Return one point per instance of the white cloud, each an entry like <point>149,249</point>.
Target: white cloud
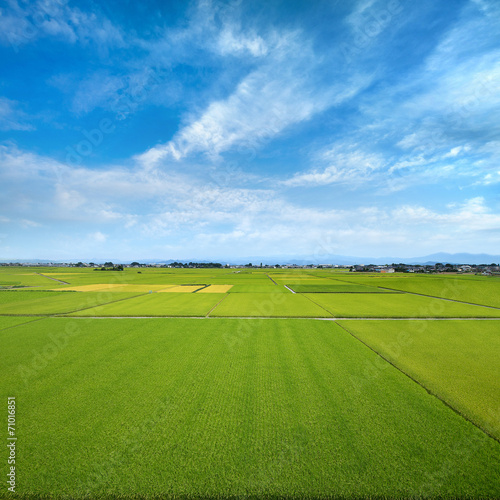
<point>99,90</point>
<point>285,89</point>
<point>456,151</point>
<point>24,23</point>
<point>201,221</point>
<point>98,237</point>
<point>236,43</point>
<point>345,164</point>
<point>29,223</point>
<point>12,117</point>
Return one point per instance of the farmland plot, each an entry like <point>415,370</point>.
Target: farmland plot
<point>33,303</point>
<point>268,305</point>
<point>457,360</point>
<point>397,305</point>
<point>109,287</point>
<point>462,288</point>
<point>10,321</point>
<point>184,411</point>
<point>336,288</point>
<point>270,288</point>
<point>159,304</point>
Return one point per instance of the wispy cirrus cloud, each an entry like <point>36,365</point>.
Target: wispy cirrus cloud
<point>344,164</point>
<point>248,103</point>
<point>22,23</point>
<point>284,90</point>
<point>12,116</point>
<point>433,123</point>
<point>154,206</point>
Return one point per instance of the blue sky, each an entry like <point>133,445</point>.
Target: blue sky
<point>216,130</point>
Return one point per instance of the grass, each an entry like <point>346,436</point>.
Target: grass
<point>23,279</point>
<point>173,407</point>
<point>401,305</point>
<point>220,407</point>
<point>337,288</point>
<point>13,296</point>
<point>268,288</point>
<point>158,304</point>
<point>115,288</point>
<point>457,360</point>
<point>216,289</point>
<point>183,289</point>
<point>34,303</point>
<point>10,321</point>
<point>268,305</point>
<point>471,289</point>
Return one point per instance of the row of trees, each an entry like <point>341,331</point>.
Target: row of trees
<point>197,265</point>
<point>109,266</point>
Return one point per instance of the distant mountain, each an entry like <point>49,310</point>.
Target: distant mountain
<point>456,258</point>
<point>301,260</point>
<point>344,260</point>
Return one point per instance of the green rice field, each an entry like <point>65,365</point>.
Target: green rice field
<point>456,360</point>
<point>337,288</point>
<point>336,385</point>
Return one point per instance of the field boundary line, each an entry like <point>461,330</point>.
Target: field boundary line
<point>54,279</point>
<point>412,378</point>
<point>216,305</point>
<point>25,323</point>
<point>271,279</point>
<point>441,298</point>
<point>319,305</point>
<point>290,289</point>
<point>426,295</point>
<point>98,305</point>
<point>314,318</point>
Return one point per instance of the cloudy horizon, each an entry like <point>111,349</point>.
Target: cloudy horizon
<point>210,129</point>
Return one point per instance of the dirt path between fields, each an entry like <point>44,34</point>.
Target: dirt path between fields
<point>271,279</point>
<point>53,279</point>
<point>66,315</point>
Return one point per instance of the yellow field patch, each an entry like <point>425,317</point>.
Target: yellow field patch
<point>216,289</point>
<point>182,289</point>
<point>115,287</point>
